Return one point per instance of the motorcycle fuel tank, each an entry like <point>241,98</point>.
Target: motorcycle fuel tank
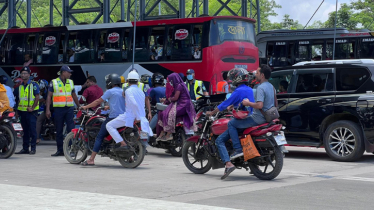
<point>219,126</point>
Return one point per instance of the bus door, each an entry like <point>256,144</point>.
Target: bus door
<point>303,51</point>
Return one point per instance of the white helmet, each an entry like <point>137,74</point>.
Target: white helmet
<point>133,75</point>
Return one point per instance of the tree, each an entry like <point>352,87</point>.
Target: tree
<point>365,13</point>
<point>344,18</point>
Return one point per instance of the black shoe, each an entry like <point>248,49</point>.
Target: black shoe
<point>58,153</point>
<point>32,152</point>
<point>22,152</point>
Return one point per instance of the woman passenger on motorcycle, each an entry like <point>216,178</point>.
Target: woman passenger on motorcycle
<point>180,105</point>
<point>116,107</point>
<point>240,78</point>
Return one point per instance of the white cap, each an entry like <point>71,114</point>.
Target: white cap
<point>133,75</point>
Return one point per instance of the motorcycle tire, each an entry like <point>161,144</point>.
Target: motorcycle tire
<point>180,139</point>
<point>278,158</point>
<point>12,140</point>
<point>133,160</point>
<point>185,156</point>
<point>72,153</point>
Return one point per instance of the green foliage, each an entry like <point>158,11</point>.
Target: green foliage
<point>345,18</point>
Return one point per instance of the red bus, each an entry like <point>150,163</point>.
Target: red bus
<point>209,45</point>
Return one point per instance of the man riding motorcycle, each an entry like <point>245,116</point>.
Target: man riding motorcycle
<point>116,107</point>
<point>240,78</point>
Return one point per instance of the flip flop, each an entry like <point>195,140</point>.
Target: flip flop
<point>227,172</point>
<point>169,138</point>
<point>85,163</point>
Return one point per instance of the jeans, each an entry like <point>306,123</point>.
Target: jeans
<point>63,115</point>
<point>28,122</point>
<point>232,132</point>
<point>101,135</point>
<point>153,122</point>
<point>39,124</point>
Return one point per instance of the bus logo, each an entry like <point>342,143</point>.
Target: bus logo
<point>241,49</point>
<point>113,37</point>
<point>50,40</point>
<point>181,34</point>
<point>368,40</point>
<point>236,30</point>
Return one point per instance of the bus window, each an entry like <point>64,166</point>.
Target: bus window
<point>366,48</point>
<point>60,56</point>
<point>47,48</point>
<point>303,51</point>
<point>291,53</point>
<point>125,44</point>
<point>280,56</point>
<point>197,38</point>
<point>3,50</point>
<point>142,52</point>
<point>317,50</point>
<point>110,45</point>
<point>343,49</point>
<point>181,39</point>
<point>15,51</point>
<point>156,43</point>
<point>29,49</point>
<point>231,30</point>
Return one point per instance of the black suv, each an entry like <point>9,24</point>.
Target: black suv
<point>328,104</point>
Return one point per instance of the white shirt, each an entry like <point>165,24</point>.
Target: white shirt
<point>135,108</point>
<point>10,95</point>
<point>197,55</point>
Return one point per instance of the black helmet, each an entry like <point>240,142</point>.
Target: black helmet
<point>112,79</point>
<point>158,78</point>
<point>238,75</point>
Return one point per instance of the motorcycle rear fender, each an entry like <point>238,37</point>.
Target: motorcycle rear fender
<point>75,131</point>
<point>193,139</point>
<point>265,141</point>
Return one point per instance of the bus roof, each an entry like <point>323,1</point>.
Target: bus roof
<point>124,24</point>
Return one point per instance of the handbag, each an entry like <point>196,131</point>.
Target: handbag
<point>272,113</point>
<point>240,115</point>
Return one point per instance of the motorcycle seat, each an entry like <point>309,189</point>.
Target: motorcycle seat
<point>260,127</point>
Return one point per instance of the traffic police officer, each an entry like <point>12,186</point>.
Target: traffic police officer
<point>61,92</point>
<point>193,84</point>
<point>27,96</point>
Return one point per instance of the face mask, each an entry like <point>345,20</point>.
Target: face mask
<point>190,77</point>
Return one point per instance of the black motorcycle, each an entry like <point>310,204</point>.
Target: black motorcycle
<point>8,136</point>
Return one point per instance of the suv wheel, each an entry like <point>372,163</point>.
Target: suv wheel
<point>343,141</point>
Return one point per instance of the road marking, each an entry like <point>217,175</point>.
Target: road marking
<point>21,197</point>
<point>364,179</point>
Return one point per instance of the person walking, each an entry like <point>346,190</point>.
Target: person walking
<point>27,95</point>
<point>61,92</point>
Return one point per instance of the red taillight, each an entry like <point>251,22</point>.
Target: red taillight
<point>79,114</point>
<point>11,114</point>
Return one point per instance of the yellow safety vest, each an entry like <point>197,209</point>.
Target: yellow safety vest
<point>198,83</point>
<point>26,97</point>
<point>140,85</point>
<point>62,93</point>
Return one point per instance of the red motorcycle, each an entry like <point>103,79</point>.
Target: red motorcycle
<point>200,152</point>
<point>80,141</point>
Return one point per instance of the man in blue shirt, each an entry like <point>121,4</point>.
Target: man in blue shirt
<point>154,97</point>
<point>240,78</point>
<point>116,105</point>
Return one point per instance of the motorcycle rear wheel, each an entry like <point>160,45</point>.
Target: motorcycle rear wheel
<point>277,164</point>
<point>72,147</point>
<point>135,159</point>
<point>10,136</point>
<point>180,139</point>
<point>188,152</point>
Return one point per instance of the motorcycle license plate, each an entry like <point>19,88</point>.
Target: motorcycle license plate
<point>143,135</point>
<point>17,126</point>
<point>280,139</point>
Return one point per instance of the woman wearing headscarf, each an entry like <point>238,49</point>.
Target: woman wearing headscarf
<point>179,106</point>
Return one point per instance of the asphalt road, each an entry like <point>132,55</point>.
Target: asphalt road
<point>309,180</point>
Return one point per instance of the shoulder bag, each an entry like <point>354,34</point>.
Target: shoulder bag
<point>272,113</point>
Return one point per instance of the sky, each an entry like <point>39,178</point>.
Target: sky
<point>302,10</point>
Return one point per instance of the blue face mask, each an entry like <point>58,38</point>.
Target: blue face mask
<point>190,77</point>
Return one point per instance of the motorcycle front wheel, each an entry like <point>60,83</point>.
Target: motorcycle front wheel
<point>132,159</point>
<point>269,166</point>
<point>8,137</point>
<point>196,159</point>
<point>75,150</point>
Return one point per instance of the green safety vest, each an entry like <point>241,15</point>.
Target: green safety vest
<point>140,85</point>
<point>26,97</point>
<point>62,93</point>
<point>198,83</point>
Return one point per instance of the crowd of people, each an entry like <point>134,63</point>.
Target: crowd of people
<point>126,101</point>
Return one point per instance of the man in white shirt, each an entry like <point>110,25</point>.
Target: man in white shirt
<point>135,110</point>
<point>9,92</point>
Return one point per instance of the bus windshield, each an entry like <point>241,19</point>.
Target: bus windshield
<point>231,30</point>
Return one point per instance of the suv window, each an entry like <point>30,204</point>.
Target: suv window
<point>281,81</point>
<point>350,78</point>
<point>317,82</point>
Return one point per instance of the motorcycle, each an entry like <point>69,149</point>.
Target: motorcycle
<point>82,140</point>
<point>179,137</point>
<point>8,136</point>
<point>200,153</point>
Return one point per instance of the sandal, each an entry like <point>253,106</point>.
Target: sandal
<point>168,138</point>
<point>38,141</point>
<point>227,172</point>
<point>85,163</point>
